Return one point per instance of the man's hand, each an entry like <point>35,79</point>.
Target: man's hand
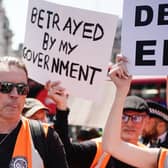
<point>58,94</point>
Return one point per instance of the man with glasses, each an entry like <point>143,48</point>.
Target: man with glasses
<point>134,117</point>
<point>17,149</point>
<point>135,114</point>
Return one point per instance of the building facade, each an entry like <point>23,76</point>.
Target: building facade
<point>6,35</point>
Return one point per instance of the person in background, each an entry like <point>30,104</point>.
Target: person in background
<point>134,155</point>
<point>17,149</point>
<point>39,92</point>
<point>34,109</point>
<point>155,132</point>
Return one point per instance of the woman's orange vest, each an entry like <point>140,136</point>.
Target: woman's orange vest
<point>25,154</point>
<point>162,158</point>
<point>101,158</point>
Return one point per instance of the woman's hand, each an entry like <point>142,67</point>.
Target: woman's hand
<point>119,74</point>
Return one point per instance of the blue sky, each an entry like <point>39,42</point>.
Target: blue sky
<point>17,10</point>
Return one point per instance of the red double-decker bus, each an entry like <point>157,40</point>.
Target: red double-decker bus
<point>150,87</point>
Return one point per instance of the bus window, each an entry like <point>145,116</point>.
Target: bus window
<point>152,87</point>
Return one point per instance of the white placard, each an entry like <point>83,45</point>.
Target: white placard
<point>145,36</point>
<point>69,44</point>
<point>92,114</point>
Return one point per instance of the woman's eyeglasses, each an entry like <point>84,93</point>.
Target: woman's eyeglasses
<point>7,87</point>
<point>134,118</point>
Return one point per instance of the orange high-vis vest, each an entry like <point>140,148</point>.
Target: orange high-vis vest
<point>101,158</point>
<point>25,155</point>
<point>163,158</point>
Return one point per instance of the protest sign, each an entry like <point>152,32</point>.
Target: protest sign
<point>145,36</point>
<point>69,44</point>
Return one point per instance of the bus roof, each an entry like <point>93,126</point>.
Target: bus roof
<point>148,77</point>
<point>142,79</point>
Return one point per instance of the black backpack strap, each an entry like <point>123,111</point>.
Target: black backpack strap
<point>39,140</point>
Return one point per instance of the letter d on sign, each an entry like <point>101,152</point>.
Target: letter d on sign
<point>139,21</point>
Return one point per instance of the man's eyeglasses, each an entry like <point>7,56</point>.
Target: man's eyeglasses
<point>134,118</point>
<point>7,87</point>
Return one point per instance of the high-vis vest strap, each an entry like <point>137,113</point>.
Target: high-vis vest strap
<point>39,133</point>
<point>24,149</point>
<point>101,158</point>
<point>163,159</point>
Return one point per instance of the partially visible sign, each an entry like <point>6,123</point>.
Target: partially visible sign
<point>145,36</point>
<point>69,44</point>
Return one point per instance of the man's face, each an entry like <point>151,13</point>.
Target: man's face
<point>11,104</point>
<point>150,129</point>
<point>40,115</point>
<point>132,125</point>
